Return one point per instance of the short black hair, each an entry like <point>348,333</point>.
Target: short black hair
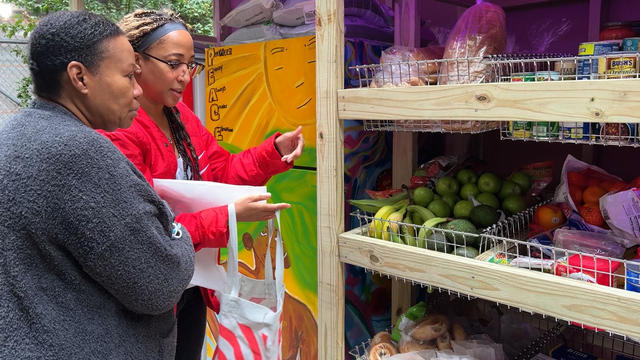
<point>63,37</point>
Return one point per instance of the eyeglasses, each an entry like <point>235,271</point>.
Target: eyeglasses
<point>194,67</point>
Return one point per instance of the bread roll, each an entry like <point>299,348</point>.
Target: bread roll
<point>381,337</point>
<point>444,342</point>
<point>458,332</point>
<point>430,328</point>
<point>381,351</point>
<point>480,31</point>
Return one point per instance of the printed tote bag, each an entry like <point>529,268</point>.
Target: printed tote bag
<point>250,309</point>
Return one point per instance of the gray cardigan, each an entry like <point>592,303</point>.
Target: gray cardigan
<point>88,266</point>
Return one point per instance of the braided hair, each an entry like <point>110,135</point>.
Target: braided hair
<point>61,38</point>
<point>136,25</point>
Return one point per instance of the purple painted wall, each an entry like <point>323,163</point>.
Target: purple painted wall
<point>550,27</point>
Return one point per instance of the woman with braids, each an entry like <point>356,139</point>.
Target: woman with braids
<point>168,141</point>
<point>92,263</point>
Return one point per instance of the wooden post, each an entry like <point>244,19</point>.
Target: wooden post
<point>406,33</point>
<point>330,175</point>
<point>76,5</point>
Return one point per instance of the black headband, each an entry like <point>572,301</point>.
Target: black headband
<point>156,34</point>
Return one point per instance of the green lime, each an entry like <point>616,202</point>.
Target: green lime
<point>513,204</point>
<point>422,196</point>
<point>447,185</point>
<point>490,183</point>
<point>466,176</point>
<point>488,199</point>
<point>462,209</point>
<point>469,189</point>
<point>509,188</point>
<point>440,208</point>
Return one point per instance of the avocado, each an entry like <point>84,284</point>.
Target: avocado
<point>466,251</point>
<point>483,216</point>
<point>462,226</point>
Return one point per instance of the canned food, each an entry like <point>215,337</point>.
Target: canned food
<point>621,64</point>
<point>523,77</point>
<point>567,69</point>
<point>615,133</point>
<point>630,44</point>
<point>588,68</point>
<point>520,129</point>
<point>576,130</point>
<point>547,76</point>
<point>545,130</point>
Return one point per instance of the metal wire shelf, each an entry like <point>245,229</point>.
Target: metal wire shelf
<point>552,332</point>
<point>505,243</point>
<point>499,69</point>
<point>613,134</point>
<point>602,346</point>
<point>432,126</point>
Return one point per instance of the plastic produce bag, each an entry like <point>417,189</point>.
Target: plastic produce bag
<point>253,33</point>
<point>621,211</point>
<point>404,66</point>
<point>416,355</point>
<point>480,347</point>
<point>297,31</point>
<point>480,31</point>
<point>250,12</point>
<point>296,13</point>
<point>589,242</point>
<point>408,319</point>
<point>573,165</point>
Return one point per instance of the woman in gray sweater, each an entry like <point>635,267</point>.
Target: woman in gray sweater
<point>91,262</point>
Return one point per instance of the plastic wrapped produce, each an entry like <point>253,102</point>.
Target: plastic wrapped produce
<point>403,66</point>
<point>296,13</point>
<point>480,31</point>
<point>250,12</point>
<point>253,33</point>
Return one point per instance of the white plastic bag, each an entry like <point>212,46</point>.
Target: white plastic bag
<point>250,309</point>
<point>250,12</point>
<point>296,13</point>
<point>253,33</point>
<point>572,164</point>
<point>186,196</point>
<point>621,211</point>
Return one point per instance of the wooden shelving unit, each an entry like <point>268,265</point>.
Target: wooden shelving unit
<point>563,298</point>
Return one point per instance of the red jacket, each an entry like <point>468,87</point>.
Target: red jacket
<point>146,146</point>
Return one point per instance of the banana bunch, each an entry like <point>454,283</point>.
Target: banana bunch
<point>374,205</point>
<point>383,214</point>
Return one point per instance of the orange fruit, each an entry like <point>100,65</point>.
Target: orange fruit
<point>548,216</point>
<point>593,181</point>
<point>576,179</point>
<point>592,194</point>
<point>576,195</point>
<point>618,186</point>
<point>635,182</point>
<point>591,214</point>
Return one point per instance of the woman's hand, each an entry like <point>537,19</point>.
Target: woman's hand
<point>290,145</point>
<point>253,208</point>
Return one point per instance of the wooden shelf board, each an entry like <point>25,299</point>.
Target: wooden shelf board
<point>612,309</point>
<point>613,101</point>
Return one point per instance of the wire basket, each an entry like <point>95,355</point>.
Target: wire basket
<point>499,69</point>
<point>432,126</point>
<point>602,346</point>
<point>616,134</point>
<point>506,243</point>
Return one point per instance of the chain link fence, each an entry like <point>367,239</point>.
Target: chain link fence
<point>12,71</point>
